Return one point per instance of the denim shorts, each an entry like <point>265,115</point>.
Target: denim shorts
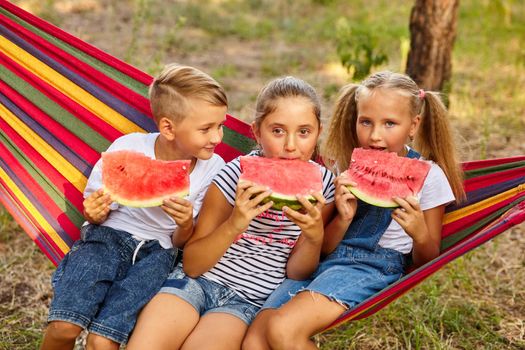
<point>97,287</point>
<point>208,296</point>
<point>348,276</point>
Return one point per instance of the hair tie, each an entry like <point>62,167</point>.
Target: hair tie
<point>421,94</point>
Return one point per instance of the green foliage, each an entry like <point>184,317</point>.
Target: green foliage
<point>357,49</point>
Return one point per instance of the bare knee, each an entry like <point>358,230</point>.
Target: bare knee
<point>254,340</point>
<point>281,334</point>
<point>98,342</point>
<point>61,330</point>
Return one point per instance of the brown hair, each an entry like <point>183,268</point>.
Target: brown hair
<point>176,84</point>
<point>285,87</point>
<point>433,139</point>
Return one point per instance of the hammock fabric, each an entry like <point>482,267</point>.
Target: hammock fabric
<point>63,101</point>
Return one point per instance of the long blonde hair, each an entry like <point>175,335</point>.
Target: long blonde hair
<point>433,140</point>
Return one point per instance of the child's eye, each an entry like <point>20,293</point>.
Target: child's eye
<point>304,132</point>
<point>390,124</point>
<point>205,130</point>
<point>365,122</point>
<point>278,131</point>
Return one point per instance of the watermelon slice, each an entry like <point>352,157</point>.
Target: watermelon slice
<point>286,179</point>
<point>135,180</point>
<point>382,175</point>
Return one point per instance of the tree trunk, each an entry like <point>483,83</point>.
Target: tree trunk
<point>432,34</point>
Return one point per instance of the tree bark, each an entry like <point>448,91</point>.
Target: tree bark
<point>432,35</point>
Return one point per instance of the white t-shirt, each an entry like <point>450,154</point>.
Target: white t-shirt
<point>152,223</point>
<point>255,264</point>
<point>436,191</point>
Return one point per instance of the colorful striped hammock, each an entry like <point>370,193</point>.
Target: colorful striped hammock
<point>63,101</point>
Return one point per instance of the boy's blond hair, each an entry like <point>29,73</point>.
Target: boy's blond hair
<point>171,89</point>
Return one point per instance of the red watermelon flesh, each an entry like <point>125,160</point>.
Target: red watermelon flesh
<point>380,176</point>
<point>286,178</point>
<point>136,180</point>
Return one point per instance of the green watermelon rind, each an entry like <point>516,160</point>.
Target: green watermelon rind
<point>280,201</point>
<point>152,202</point>
<point>372,200</point>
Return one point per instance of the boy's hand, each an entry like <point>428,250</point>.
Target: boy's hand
<point>248,204</point>
<point>345,201</point>
<point>410,217</point>
<point>310,218</point>
<point>181,210</point>
<point>96,207</point>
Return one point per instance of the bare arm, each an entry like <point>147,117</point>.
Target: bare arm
<point>219,224</point>
<point>346,205</point>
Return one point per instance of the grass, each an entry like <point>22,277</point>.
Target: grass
<point>478,301</point>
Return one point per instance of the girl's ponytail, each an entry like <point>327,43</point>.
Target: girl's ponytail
<point>434,141</point>
<point>342,136</point>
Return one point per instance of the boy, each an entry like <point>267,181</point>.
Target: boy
<point>125,253</point>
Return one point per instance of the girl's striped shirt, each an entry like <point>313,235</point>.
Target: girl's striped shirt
<point>255,264</point>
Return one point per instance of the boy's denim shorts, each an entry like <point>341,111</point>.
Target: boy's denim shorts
<point>347,276</point>
<point>208,296</point>
<point>98,288</point>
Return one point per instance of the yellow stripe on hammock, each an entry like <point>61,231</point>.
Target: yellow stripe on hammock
<point>68,88</point>
<point>46,151</point>
<point>26,203</point>
<point>473,208</point>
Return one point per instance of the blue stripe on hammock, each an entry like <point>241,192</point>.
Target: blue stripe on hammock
<point>118,105</point>
<point>83,166</point>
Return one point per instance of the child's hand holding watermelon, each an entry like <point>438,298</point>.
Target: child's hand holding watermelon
<point>410,217</point>
<point>309,217</point>
<point>96,207</point>
<point>248,200</point>
<point>181,210</point>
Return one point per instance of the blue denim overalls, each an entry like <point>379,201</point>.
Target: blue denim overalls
<point>358,267</point>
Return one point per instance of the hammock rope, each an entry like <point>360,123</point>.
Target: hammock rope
<point>63,101</point>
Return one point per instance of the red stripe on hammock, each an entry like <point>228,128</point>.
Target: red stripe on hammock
<point>81,68</point>
<point>227,152</point>
<point>79,44</point>
<point>488,180</point>
<point>478,164</point>
<point>99,125</point>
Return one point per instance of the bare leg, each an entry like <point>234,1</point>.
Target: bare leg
<point>217,331</point>
<point>292,326</point>
<point>255,338</point>
<point>60,335</point>
<point>98,342</point>
<point>165,323</point>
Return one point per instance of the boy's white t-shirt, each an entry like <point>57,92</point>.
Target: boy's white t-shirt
<point>152,223</point>
<point>436,191</point>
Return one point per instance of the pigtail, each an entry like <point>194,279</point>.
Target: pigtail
<point>434,141</point>
<point>342,136</point>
